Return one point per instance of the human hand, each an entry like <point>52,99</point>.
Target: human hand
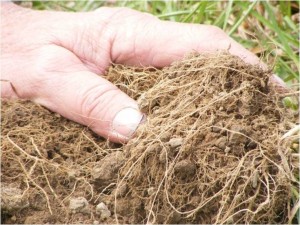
<point>54,58</point>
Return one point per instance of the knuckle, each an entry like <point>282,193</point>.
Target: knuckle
<point>49,59</point>
<point>96,100</point>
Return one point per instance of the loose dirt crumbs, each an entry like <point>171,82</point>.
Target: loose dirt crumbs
<point>209,152</point>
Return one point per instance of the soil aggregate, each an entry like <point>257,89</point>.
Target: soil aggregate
<point>209,152</point>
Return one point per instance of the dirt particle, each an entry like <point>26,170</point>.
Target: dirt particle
<point>12,199</point>
<point>175,142</point>
<point>127,207</point>
<point>102,210</point>
<point>13,218</point>
<point>162,156</point>
<point>122,190</point>
<point>151,191</point>
<point>40,217</point>
<point>227,149</point>
<point>185,169</point>
<point>106,170</point>
<point>173,218</point>
<point>295,146</point>
<point>79,205</point>
<point>165,136</point>
<point>221,143</point>
<point>251,145</point>
<point>255,179</point>
<point>237,135</point>
<point>154,148</point>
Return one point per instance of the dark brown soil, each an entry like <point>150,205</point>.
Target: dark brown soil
<point>209,152</point>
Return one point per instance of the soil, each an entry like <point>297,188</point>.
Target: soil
<point>209,152</point>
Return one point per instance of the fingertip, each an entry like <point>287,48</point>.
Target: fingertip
<point>277,80</point>
<point>279,85</point>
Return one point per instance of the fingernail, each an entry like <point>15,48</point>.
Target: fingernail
<point>126,122</point>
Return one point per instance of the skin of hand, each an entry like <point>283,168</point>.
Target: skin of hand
<point>55,59</point>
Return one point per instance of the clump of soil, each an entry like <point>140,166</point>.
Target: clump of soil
<point>209,152</point>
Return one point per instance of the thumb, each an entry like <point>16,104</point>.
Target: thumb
<point>93,101</point>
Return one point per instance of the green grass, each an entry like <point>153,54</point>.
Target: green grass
<point>269,29</point>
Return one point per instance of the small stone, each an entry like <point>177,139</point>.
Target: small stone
<point>251,145</point>
<point>122,190</point>
<point>96,222</point>
<point>227,149</point>
<point>13,218</point>
<point>175,142</point>
<point>156,110</point>
<point>216,129</point>
<point>162,157</point>
<point>237,135</point>
<point>221,143</point>
<point>185,169</point>
<point>174,218</point>
<point>12,199</point>
<point>79,205</point>
<point>165,137</point>
<point>106,170</point>
<point>151,191</point>
<point>142,101</point>
<point>295,146</point>
<point>153,148</point>
<point>102,210</point>
<point>255,179</point>
<point>72,173</point>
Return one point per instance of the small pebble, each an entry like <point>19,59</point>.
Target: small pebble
<point>238,134</point>
<point>122,190</point>
<point>162,157</point>
<point>185,169</point>
<point>175,142</point>
<point>227,149</point>
<point>79,205</point>
<point>255,179</point>
<point>295,146</point>
<point>165,136</point>
<point>12,199</point>
<point>151,191</point>
<point>102,210</point>
<point>221,143</point>
<point>71,173</point>
<point>13,218</point>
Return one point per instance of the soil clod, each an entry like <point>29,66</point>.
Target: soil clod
<point>12,199</point>
<point>79,205</point>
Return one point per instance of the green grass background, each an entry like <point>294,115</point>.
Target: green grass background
<point>270,29</point>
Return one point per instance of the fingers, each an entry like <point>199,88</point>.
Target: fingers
<point>144,40</point>
<point>130,37</point>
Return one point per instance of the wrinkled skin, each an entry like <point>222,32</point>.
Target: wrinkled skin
<point>55,59</point>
